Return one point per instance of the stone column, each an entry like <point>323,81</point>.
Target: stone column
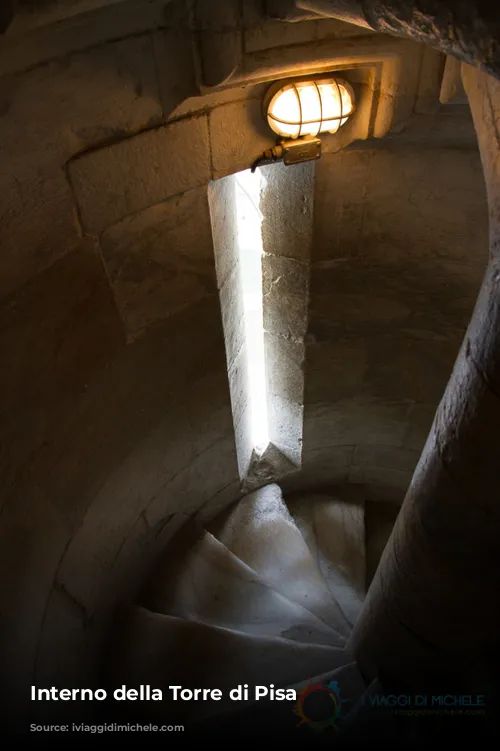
<point>431,611</point>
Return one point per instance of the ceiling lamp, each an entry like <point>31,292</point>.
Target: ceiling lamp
<point>307,108</point>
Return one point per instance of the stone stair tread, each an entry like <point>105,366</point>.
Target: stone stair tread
<point>262,533</point>
<point>209,584</point>
<point>334,531</point>
<point>161,651</point>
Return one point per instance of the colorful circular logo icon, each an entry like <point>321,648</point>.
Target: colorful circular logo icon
<point>319,705</point>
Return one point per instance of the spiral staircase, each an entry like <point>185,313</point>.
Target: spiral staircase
<point>265,595</point>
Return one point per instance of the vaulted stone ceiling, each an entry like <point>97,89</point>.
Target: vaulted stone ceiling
<point>116,412</point>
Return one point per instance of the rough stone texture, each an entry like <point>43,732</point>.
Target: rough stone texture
<point>148,641</point>
<point>48,115</point>
<point>103,440</point>
<point>219,34</point>
<point>285,296</point>
<point>379,522</point>
<point>50,42</point>
<point>232,150</point>
<point>285,367</point>
<point>231,300</point>
<point>160,260</point>
<point>54,333</point>
<point>201,580</point>
<point>173,49</point>
<point>390,297</point>
<point>335,534</point>
<point>278,34</point>
<point>262,533</point>
<point>287,236</point>
<point>222,201</point>
<point>452,89</point>
<point>286,419</point>
<point>468,31</point>
<point>212,99</point>
<point>287,208</point>
<point>154,165</point>
<point>431,77</point>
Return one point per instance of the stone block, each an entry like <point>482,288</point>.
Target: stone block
<point>206,476</point>
<point>160,260</point>
<point>222,202</point>
<point>284,367</point>
<point>137,560</point>
<point>82,32</point>
<point>273,34</point>
<point>430,80</point>
<point>239,135</point>
<point>390,457</point>
<point>126,489</point>
<point>239,384</point>
<point>49,114</point>
<point>285,284</point>
<point>37,230</point>
<point>355,421</point>
<point>219,39</point>
<point>285,427</point>
<point>125,408</point>
<point>215,16</point>
<point>287,208</point>
<point>243,435</point>
<point>253,11</point>
<point>409,367</point>
<point>154,165</point>
<point>208,407</point>
<point>175,65</point>
<point>219,503</point>
<point>231,301</point>
<point>339,195</point>
<point>330,28</point>
<point>321,468</point>
<point>92,97</point>
<point>335,369</point>
<point>396,215</point>
<point>209,101</point>
<point>395,480</point>
<point>56,332</point>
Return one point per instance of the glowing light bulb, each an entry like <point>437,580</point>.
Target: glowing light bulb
<point>310,107</point>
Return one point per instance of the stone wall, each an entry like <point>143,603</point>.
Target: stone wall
<point>115,410</point>
<point>396,268</point>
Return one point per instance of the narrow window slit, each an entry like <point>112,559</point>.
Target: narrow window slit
<point>248,188</point>
<point>262,226</point>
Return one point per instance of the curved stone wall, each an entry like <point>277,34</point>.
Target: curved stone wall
<point>116,416</point>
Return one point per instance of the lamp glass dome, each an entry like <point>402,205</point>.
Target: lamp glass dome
<point>306,108</point>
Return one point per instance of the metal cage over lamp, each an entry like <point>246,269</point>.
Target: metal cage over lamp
<point>309,107</point>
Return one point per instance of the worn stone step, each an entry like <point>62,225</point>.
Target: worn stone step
<point>209,584</point>
<point>334,530</point>
<point>162,651</point>
<point>262,533</point>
